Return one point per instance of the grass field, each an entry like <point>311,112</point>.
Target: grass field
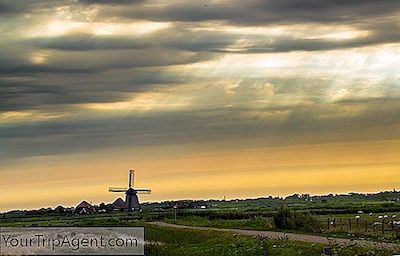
<point>342,227</point>
<point>333,216</point>
<point>259,223</point>
<point>170,241</point>
<point>184,242</point>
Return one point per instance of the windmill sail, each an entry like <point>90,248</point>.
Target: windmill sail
<point>131,178</point>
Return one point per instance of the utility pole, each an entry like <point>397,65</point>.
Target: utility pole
<point>175,209</point>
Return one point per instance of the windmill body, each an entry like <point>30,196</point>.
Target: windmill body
<point>131,194</point>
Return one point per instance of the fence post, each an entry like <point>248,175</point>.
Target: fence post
<point>350,224</point>
<point>334,223</point>
<point>329,223</point>
<point>357,224</point>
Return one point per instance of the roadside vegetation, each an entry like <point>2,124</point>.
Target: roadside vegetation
<point>286,219</point>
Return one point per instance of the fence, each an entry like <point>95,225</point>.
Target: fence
<point>382,226</point>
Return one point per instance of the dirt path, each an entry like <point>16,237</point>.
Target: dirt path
<point>292,236</point>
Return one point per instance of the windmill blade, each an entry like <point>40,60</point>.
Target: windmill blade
<point>131,178</point>
<point>143,191</point>
<point>117,190</point>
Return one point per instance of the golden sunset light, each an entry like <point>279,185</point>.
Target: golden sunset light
<point>202,102</point>
<point>214,127</point>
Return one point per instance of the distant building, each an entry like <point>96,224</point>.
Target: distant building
<point>84,208</point>
<point>118,204</point>
<point>60,209</point>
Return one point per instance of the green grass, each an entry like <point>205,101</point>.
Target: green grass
<point>194,242</point>
<point>261,223</point>
<point>170,241</point>
<point>190,242</point>
<point>258,223</point>
<point>363,217</point>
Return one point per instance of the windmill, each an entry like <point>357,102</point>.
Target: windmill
<point>131,199</point>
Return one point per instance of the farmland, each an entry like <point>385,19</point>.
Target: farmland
<point>170,241</point>
<point>356,217</point>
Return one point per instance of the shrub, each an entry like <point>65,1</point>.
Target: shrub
<point>285,218</point>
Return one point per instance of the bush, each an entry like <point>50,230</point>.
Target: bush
<point>285,218</point>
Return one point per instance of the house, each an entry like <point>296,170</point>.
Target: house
<point>60,209</point>
<point>84,208</point>
<point>118,204</point>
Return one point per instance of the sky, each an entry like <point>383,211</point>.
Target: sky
<point>204,99</point>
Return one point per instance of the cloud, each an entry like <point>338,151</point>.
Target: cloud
<point>258,12</point>
<point>243,41</point>
<point>92,62</point>
<point>49,91</point>
<point>289,44</point>
<point>305,124</point>
<point>262,12</point>
<point>89,42</point>
<point>15,7</point>
<point>110,2</point>
<point>8,7</point>
<point>174,38</point>
<point>274,72</point>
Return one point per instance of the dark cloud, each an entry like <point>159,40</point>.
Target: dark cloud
<point>100,61</point>
<point>173,38</point>
<point>48,91</point>
<point>258,12</point>
<point>215,41</point>
<point>14,7</point>
<point>111,2</point>
<point>306,124</point>
<point>35,68</point>
<point>9,7</point>
<point>261,12</point>
<point>89,42</point>
<point>84,68</point>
